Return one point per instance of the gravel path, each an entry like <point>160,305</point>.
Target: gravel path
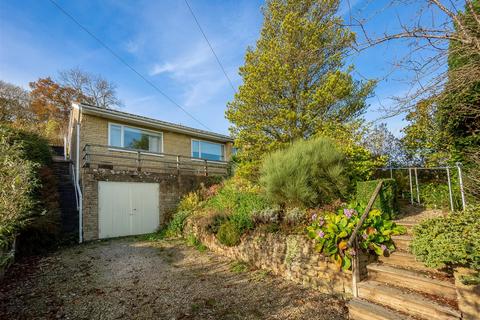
<point>135,279</point>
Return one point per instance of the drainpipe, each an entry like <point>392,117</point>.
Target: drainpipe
<point>77,187</point>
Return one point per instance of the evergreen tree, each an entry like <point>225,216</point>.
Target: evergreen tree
<point>294,80</point>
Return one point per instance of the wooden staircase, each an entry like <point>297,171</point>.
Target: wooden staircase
<point>399,287</point>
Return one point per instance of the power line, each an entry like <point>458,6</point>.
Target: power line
<point>211,48</point>
<point>110,50</point>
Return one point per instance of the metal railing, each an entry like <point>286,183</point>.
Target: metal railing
<point>109,157</point>
<point>413,181</point>
<point>353,241</point>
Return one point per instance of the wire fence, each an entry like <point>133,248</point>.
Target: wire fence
<point>435,187</point>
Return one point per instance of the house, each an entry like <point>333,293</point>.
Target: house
<point>130,171</point>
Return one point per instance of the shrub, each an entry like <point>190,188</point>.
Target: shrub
<point>333,230</point>
<point>18,181</point>
<point>449,241</point>
<point>267,215</point>
<point>229,234</point>
<point>307,174</point>
<point>175,227</point>
<point>238,199</point>
<point>386,200</point>
<point>33,147</point>
<point>295,216</point>
<point>436,196</point>
<point>189,202</point>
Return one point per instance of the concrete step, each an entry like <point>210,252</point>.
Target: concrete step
<point>402,242</point>
<point>405,260</point>
<point>412,280</point>
<point>411,303</point>
<point>359,309</point>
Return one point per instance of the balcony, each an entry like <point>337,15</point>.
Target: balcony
<point>117,158</point>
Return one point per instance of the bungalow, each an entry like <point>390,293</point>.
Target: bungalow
<point>130,171</point>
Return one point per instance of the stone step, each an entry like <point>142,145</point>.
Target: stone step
<point>411,303</point>
<point>412,280</point>
<point>402,242</point>
<point>405,260</point>
<point>359,309</point>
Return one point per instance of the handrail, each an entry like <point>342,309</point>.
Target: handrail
<point>74,184</point>
<point>365,213</point>
<point>354,242</point>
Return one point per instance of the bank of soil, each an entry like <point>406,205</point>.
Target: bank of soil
<point>136,279</point>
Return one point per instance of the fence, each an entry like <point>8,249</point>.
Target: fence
<point>433,187</point>
<point>108,157</point>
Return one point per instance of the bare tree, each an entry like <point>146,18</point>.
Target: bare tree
<point>436,30</point>
<point>94,89</point>
<point>14,103</point>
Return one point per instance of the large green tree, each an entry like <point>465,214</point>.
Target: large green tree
<point>294,79</point>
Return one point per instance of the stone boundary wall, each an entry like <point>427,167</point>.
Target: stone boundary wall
<point>292,257</point>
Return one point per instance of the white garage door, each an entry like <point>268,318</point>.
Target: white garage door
<point>127,208</point>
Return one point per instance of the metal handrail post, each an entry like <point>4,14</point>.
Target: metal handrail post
<point>411,186</point>
<point>416,184</point>
<point>460,181</point>
<point>450,189</point>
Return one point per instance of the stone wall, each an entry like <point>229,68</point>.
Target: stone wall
<point>172,188</point>
<point>290,256</point>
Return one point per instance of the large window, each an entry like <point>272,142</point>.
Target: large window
<point>133,138</point>
<point>208,150</point>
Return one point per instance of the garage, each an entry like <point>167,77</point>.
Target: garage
<point>127,208</point>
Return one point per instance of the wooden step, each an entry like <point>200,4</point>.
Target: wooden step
<point>411,303</point>
<point>407,224</point>
<point>402,242</point>
<point>405,260</point>
<point>412,280</point>
<point>359,309</point>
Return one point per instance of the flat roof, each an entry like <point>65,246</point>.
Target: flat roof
<point>153,123</point>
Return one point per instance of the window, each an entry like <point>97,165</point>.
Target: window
<point>207,150</point>
<point>133,138</point>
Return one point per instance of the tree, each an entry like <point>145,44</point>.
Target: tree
<point>382,143</point>
<point>93,89</point>
<point>295,79</point>
<point>14,103</point>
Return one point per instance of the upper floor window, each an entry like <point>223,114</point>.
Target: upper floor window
<point>134,138</point>
<point>208,150</point>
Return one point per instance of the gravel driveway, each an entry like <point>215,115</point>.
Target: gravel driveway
<point>135,279</point>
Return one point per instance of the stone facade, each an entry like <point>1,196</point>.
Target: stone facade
<point>172,187</point>
<point>290,256</point>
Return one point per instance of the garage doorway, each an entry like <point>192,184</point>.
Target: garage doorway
<point>127,208</point>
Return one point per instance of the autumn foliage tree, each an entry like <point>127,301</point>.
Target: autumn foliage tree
<point>294,80</point>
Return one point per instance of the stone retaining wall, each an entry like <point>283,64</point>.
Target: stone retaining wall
<point>290,256</point>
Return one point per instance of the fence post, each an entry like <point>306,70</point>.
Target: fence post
<point>411,186</point>
<point>206,168</point>
<point>355,269</point>
<point>391,173</point>
<point>416,184</point>
<point>460,180</point>
<point>450,189</point>
<point>138,161</point>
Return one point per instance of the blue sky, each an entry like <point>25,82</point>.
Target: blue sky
<point>161,41</point>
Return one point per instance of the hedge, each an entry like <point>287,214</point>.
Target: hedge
<point>387,198</point>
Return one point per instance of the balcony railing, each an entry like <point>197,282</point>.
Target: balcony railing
<point>117,158</point>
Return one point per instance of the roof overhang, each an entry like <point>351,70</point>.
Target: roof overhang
<point>149,122</point>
